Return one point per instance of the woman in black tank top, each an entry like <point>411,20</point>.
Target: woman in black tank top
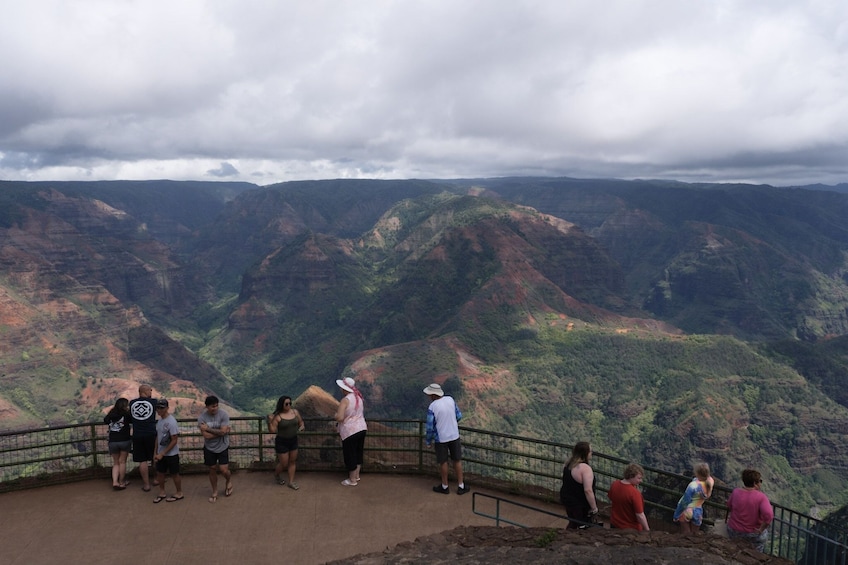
<point>286,422</point>
<point>578,487</point>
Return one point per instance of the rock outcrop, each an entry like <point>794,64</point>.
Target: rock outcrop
<point>541,546</point>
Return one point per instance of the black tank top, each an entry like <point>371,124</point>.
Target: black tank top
<point>571,493</point>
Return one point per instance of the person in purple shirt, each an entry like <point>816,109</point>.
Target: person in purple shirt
<point>750,511</point>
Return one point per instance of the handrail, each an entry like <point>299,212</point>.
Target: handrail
<point>526,466</point>
<point>498,518</point>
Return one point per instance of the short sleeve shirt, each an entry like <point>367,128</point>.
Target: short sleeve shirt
<point>220,420</point>
<point>166,428</point>
<point>143,416</point>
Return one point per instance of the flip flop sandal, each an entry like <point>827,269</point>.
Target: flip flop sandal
<point>174,498</point>
<point>229,491</point>
<point>213,499</point>
<point>159,499</point>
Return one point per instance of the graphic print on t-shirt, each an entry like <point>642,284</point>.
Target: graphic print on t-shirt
<point>141,411</point>
<point>117,426</point>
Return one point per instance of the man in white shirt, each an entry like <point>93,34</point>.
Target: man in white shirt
<point>443,418</point>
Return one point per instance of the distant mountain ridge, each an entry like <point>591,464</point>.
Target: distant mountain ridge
<point>647,317</point>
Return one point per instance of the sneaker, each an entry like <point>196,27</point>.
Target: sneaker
<point>293,486</point>
<point>440,490</point>
<point>280,480</point>
<point>463,490</point>
<point>348,483</point>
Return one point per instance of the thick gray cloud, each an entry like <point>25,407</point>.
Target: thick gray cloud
<point>270,90</point>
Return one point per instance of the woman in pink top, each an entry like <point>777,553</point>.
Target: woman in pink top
<point>352,428</point>
<point>750,511</point>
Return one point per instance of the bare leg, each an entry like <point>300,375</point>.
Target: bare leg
<point>178,483</point>
<point>160,478</point>
<point>228,477</point>
<point>443,470</point>
<point>292,464</point>
<point>122,468</point>
<point>116,469</point>
<point>284,463</point>
<point>457,465</point>
<point>144,471</point>
<point>213,481</point>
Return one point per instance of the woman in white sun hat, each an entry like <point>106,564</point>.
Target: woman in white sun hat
<point>352,429</point>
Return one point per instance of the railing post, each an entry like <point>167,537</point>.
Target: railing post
<point>93,430</point>
<point>421,432</point>
<point>261,439</point>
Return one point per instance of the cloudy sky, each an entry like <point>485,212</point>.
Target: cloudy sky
<point>273,90</point>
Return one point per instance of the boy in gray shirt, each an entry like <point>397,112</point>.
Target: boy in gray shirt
<point>167,457</point>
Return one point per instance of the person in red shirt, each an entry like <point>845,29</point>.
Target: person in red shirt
<point>628,507</point>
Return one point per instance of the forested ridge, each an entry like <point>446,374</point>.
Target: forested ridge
<point>664,322</point>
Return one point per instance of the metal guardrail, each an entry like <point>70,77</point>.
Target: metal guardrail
<point>526,466</point>
<point>498,515</point>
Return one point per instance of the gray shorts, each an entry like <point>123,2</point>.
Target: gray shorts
<point>119,446</point>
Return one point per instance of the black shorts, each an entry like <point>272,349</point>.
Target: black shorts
<point>210,458</point>
<point>169,465</point>
<point>285,444</point>
<point>143,448</point>
<point>451,448</point>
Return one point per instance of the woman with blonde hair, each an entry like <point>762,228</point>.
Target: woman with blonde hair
<point>690,512</point>
<point>578,487</point>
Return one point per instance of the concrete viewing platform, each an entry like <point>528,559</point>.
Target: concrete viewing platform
<point>262,522</point>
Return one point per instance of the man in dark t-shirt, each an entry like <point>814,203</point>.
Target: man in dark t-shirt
<point>143,417</point>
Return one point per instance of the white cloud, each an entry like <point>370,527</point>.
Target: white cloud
<point>279,90</point>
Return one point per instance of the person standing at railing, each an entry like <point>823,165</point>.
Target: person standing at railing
<point>167,457</point>
<point>143,416</point>
<point>352,429</point>
<point>577,493</point>
<point>690,508</point>
<point>750,511</point>
<point>214,425</point>
<point>285,422</point>
<point>442,429</point>
<point>120,441</point>
<point>628,506</point>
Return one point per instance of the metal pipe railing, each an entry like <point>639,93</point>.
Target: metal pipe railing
<point>531,467</point>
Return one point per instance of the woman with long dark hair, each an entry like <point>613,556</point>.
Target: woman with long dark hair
<point>120,441</point>
<point>578,487</point>
<point>286,422</point>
